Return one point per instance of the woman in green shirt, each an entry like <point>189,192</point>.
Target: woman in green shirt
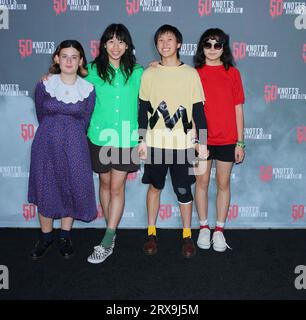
<point>112,133</point>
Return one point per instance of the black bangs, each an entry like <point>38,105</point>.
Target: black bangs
<point>116,31</point>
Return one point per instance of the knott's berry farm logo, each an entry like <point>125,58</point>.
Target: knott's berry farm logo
<point>267,173</point>
<point>61,6</point>
<point>133,6</point>
<point>273,92</point>
<point>28,46</point>
<point>241,50</point>
<point>206,7</point>
<point>165,211</point>
<point>280,7</point>
<point>298,212</point>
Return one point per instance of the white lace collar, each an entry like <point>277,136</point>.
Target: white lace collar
<point>79,91</point>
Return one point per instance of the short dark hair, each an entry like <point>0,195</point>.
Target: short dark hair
<point>220,36</point>
<point>168,28</point>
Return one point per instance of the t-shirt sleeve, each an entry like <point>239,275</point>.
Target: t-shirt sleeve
<point>238,89</point>
<point>197,93</point>
<point>144,93</point>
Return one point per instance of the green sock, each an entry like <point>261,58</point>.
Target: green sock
<point>108,238</point>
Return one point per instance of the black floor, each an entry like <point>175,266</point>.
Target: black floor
<point>260,266</point>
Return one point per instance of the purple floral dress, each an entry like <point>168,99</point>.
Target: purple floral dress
<point>61,178</point>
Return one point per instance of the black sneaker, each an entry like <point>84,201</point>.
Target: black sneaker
<point>66,248</point>
<point>40,249</point>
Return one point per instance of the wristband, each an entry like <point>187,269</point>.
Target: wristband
<point>195,140</point>
<point>240,144</point>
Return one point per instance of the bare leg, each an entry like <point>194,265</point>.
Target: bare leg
<point>117,198</point>
<point>45,223</point>
<point>66,223</point>
<point>201,192</point>
<point>223,173</point>
<point>104,192</point>
<point>186,213</point>
<point>153,202</point>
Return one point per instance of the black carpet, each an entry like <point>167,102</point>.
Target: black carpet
<point>260,266</point>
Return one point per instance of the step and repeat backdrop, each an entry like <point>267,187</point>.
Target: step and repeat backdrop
<point>268,40</point>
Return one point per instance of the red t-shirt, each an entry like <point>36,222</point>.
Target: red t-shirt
<point>223,91</point>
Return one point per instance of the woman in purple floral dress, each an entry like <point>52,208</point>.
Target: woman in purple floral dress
<point>61,179</point>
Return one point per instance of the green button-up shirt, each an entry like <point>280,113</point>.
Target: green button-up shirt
<point>114,120</point>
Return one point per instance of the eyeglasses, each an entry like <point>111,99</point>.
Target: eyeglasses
<point>216,46</point>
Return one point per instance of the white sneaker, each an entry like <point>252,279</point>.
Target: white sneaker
<point>113,242</point>
<point>100,254</point>
<point>219,243</point>
<point>204,238</point>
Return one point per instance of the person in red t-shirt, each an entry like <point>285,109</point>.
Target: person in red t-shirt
<point>225,125</point>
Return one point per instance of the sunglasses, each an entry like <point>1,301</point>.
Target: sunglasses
<point>216,46</point>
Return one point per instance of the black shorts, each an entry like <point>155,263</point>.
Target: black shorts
<point>224,153</point>
<point>105,158</point>
<point>181,172</point>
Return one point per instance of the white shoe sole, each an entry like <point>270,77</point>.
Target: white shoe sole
<point>203,246</point>
<point>94,261</point>
<point>219,249</point>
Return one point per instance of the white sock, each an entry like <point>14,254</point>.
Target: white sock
<point>220,224</point>
<point>203,223</point>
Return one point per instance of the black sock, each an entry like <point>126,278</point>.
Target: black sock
<point>47,236</point>
<point>65,234</point>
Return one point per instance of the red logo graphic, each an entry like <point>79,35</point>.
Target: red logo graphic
<point>132,176</point>
<point>94,48</point>
<point>301,134</point>
<point>59,6</point>
<point>132,6</point>
<point>100,212</point>
<point>270,93</point>
<point>165,211</point>
<point>204,7</point>
<point>28,211</point>
<point>232,212</point>
<point>27,131</point>
<point>239,50</point>
<point>25,47</point>
<point>266,173</point>
<point>304,52</point>
<point>276,8</point>
<point>298,212</point>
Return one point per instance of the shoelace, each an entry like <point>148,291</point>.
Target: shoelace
<point>223,240</point>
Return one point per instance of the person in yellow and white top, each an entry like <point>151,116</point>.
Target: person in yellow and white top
<point>171,116</point>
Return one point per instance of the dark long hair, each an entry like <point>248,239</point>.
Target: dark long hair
<point>55,68</point>
<point>127,61</point>
<point>220,36</point>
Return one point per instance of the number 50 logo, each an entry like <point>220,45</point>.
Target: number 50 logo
<point>276,8</point>
<point>132,6</point>
<point>25,47</point>
<point>270,93</point>
<point>59,6</point>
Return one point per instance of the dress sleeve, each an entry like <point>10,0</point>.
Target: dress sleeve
<point>39,98</point>
<point>91,101</point>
